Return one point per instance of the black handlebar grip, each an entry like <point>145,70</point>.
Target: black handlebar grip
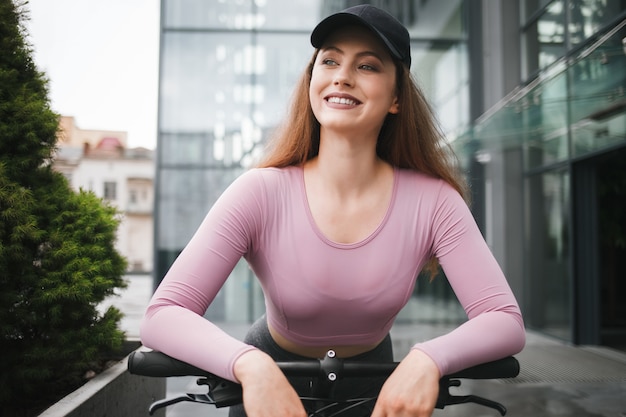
<point>502,368</point>
<point>157,364</point>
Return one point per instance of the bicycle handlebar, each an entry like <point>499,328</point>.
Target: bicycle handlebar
<point>160,365</point>
<point>224,393</point>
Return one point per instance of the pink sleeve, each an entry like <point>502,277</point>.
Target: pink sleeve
<point>495,328</point>
<point>174,322</point>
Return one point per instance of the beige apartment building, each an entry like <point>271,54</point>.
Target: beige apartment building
<point>100,161</point>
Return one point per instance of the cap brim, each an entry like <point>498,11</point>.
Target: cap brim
<point>339,20</point>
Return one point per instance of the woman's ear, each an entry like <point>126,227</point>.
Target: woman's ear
<point>395,106</point>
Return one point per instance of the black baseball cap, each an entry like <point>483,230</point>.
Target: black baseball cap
<point>393,34</point>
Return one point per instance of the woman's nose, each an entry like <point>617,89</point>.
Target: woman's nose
<point>343,77</point>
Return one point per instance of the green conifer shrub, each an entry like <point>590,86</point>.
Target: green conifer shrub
<point>57,256</point>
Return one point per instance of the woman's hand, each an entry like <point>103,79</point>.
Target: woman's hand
<point>411,390</point>
<point>266,391</point>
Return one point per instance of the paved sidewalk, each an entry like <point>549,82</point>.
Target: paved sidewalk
<point>556,379</point>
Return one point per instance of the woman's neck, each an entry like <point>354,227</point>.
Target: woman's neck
<point>349,190</point>
<point>348,166</point>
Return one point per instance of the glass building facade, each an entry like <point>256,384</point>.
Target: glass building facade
<point>561,134</point>
<point>530,94</point>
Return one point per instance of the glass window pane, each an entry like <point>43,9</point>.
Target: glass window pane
<point>541,149</point>
<point>187,149</point>
<point>221,93</point>
<point>290,15</point>
<point>544,113</point>
<point>434,19</point>
<point>588,17</point>
<point>530,7</point>
<point>598,108</point>
<point>202,72</point>
<point>549,292</point>
<point>286,58</point>
<point>185,196</point>
<point>440,69</point>
<point>203,14</point>
<point>241,14</point>
<point>544,40</point>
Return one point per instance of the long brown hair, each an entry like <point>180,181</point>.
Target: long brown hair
<point>410,139</point>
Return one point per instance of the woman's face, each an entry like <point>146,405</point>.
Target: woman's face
<point>353,83</point>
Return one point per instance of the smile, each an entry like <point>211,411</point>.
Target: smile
<point>342,100</point>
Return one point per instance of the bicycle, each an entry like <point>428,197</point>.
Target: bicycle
<point>224,393</point>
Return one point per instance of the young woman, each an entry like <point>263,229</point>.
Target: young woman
<point>355,197</point>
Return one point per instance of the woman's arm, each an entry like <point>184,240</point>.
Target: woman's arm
<point>495,328</point>
<point>174,322</point>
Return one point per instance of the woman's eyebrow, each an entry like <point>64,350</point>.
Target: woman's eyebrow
<point>359,54</point>
<point>331,48</point>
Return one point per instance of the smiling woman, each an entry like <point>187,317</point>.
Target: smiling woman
<point>353,71</point>
<point>355,196</point>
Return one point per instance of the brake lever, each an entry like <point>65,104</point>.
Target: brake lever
<point>194,398</point>
<point>445,398</point>
<point>222,393</point>
<point>462,399</point>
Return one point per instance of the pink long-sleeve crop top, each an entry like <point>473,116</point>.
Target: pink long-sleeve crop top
<point>322,293</point>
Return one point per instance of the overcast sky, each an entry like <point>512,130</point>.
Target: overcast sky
<point>101,57</point>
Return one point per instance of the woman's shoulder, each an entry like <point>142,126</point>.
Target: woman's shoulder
<point>268,180</point>
<point>417,183</point>
<point>273,175</point>
<point>257,190</point>
<point>413,178</point>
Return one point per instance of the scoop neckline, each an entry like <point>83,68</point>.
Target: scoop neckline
<point>330,242</point>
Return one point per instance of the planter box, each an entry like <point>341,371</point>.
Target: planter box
<point>113,392</point>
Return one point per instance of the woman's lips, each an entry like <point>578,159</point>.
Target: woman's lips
<point>342,99</point>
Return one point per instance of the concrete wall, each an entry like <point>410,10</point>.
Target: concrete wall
<point>114,392</point>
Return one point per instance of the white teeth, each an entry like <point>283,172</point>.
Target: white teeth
<point>341,100</point>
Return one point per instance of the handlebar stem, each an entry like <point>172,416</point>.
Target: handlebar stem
<point>331,367</point>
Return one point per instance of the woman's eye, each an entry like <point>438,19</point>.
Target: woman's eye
<point>368,67</point>
<point>329,61</point>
